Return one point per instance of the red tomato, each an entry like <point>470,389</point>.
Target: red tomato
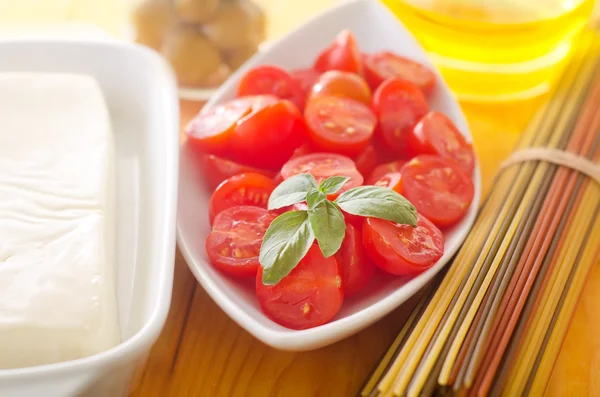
<point>383,169</point>
<point>242,189</point>
<point>339,125</point>
<point>215,170</point>
<point>311,295</point>
<point>386,65</point>
<point>305,79</point>
<point>269,79</point>
<point>343,85</point>
<point>322,166</point>
<point>391,180</point>
<point>268,137</point>
<point>357,268</point>
<point>211,131</point>
<point>366,160</point>
<point>399,104</point>
<point>401,249</point>
<point>438,188</point>
<point>437,134</point>
<point>342,54</point>
<point>234,244</point>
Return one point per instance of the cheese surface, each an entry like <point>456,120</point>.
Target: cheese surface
<point>57,220</point>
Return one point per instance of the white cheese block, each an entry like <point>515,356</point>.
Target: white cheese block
<point>57,220</point>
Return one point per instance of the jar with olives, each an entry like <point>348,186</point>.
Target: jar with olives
<point>203,40</point>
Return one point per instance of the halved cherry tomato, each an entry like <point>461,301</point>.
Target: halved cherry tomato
<point>366,160</point>
<point>436,134</point>
<point>305,79</point>
<point>357,268</point>
<point>234,244</point>
<point>339,125</point>
<point>383,169</point>
<point>386,65</point>
<point>268,137</point>
<point>211,131</point>
<point>242,189</point>
<point>343,85</point>
<point>342,54</point>
<point>399,105</point>
<point>391,180</point>
<point>311,295</point>
<point>401,249</point>
<point>216,169</point>
<point>273,80</point>
<point>438,188</point>
<point>322,166</point>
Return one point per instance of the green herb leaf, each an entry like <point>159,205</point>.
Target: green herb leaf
<point>378,202</point>
<point>333,184</point>
<point>315,197</point>
<point>328,225</point>
<point>292,191</point>
<point>285,243</point>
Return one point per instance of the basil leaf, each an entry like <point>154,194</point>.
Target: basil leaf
<point>333,184</point>
<point>315,197</point>
<point>378,202</point>
<point>328,225</point>
<point>292,191</point>
<point>285,243</point>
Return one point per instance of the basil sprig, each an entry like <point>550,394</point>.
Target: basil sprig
<point>290,235</point>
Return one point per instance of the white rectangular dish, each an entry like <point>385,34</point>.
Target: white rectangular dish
<point>141,95</point>
<point>375,29</point>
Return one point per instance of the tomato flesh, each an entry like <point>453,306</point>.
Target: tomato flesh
<point>436,134</point>
<point>383,169</point>
<point>401,249</point>
<point>268,137</point>
<point>357,267</point>
<point>386,65</point>
<point>242,189</point>
<point>438,188</point>
<point>339,125</point>
<point>391,180</point>
<point>399,105</point>
<point>211,131</point>
<point>322,166</point>
<point>343,85</point>
<point>273,80</point>
<point>233,245</point>
<point>216,169</point>
<point>311,295</point>
<point>366,160</point>
<point>342,54</point>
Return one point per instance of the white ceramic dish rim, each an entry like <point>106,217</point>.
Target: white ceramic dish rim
<point>150,331</point>
<point>342,327</point>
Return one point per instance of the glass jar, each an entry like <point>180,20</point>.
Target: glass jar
<point>203,40</point>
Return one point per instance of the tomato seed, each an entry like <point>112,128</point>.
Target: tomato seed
<point>305,309</point>
<point>329,124</point>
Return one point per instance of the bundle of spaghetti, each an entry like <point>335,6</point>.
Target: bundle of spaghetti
<point>495,323</point>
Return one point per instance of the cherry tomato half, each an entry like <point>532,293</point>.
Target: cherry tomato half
<point>305,78</point>
<point>322,166</point>
<point>216,169</point>
<point>339,125</point>
<point>342,54</point>
<point>401,249</point>
<point>383,169</point>
<point>268,137</point>
<point>399,105</point>
<point>311,295</point>
<point>343,85</point>
<point>234,244</point>
<point>438,188</point>
<point>366,160</point>
<point>242,189</point>
<point>391,180</point>
<point>357,267</point>
<point>211,131</point>
<point>273,80</point>
<point>386,65</point>
<point>436,134</point>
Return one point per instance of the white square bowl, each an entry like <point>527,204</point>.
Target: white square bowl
<point>141,94</point>
<point>375,29</point>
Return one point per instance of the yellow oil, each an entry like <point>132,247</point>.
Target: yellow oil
<point>496,50</point>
